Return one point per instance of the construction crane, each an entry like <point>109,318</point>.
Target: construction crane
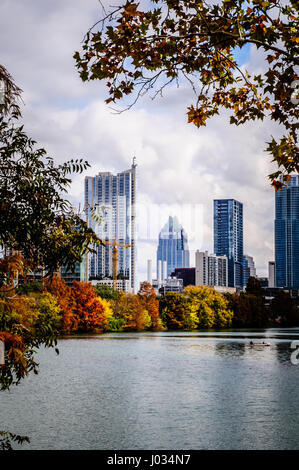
<point>114,258</point>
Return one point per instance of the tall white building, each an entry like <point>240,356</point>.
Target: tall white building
<point>210,270</point>
<point>114,198</point>
<point>271,274</point>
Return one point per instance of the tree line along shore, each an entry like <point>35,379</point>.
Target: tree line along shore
<point>86,308</point>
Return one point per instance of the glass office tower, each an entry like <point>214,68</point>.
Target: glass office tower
<point>228,237</point>
<point>172,250</point>
<point>287,235</point>
<point>248,269</point>
<point>114,197</point>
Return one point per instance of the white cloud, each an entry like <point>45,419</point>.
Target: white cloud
<point>177,163</point>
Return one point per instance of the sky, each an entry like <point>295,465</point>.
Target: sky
<point>181,169</point>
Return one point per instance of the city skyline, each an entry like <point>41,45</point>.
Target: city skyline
<point>177,163</point>
<point>106,188</point>
<point>92,199</point>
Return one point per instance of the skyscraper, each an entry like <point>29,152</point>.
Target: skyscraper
<point>228,237</point>
<point>248,269</point>
<point>114,196</point>
<point>287,234</point>
<point>172,250</point>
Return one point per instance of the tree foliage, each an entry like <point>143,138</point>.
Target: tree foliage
<point>113,324</point>
<point>177,312</point>
<point>26,322</point>
<point>248,310</point>
<point>88,310</point>
<point>137,50</point>
<point>66,302</point>
<point>28,287</point>
<point>35,217</point>
<point>148,298</point>
<point>211,307</point>
<point>106,292</point>
<point>132,311</point>
<point>11,267</point>
<point>199,307</point>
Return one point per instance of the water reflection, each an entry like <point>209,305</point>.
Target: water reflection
<point>170,390</point>
<point>256,345</point>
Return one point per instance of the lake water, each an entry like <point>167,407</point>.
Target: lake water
<point>168,390</point>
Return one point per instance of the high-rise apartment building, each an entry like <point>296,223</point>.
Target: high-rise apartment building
<point>228,237</point>
<point>114,197</point>
<point>210,270</point>
<point>173,251</point>
<point>287,234</point>
<point>248,269</point>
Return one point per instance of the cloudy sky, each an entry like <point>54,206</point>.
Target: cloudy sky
<point>181,169</point>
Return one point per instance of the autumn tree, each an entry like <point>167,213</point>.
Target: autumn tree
<point>241,308</point>
<point>131,309</point>
<point>113,323</point>
<point>88,310</point>
<point>148,298</point>
<point>177,312</point>
<point>212,307</point>
<point>137,50</point>
<point>66,301</point>
<point>172,310</point>
<point>120,305</point>
<point>26,322</point>
<point>248,310</point>
<point>138,316</point>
